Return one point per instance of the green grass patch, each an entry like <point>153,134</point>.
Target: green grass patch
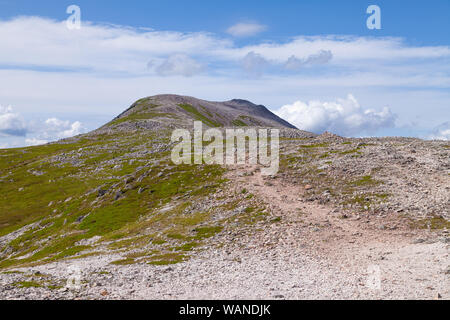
<point>433,223</point>
<point>207,232</point>
<point>187,246</point>
<point>238,123</point>
<point>167,259</point>
<point>27,284</point>
<point>199,116</point>
<point>365,181</point>
<point>317,145</point>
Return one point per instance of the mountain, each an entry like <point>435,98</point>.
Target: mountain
<point>182,111</point>
<point>57,196</point>
<point>113,207</point>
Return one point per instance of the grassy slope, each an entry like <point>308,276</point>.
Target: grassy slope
<point>56,187</point>
<point>120,189</point>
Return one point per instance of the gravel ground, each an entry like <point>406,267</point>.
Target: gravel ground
<point>312,255</point>
<point>408,271</point>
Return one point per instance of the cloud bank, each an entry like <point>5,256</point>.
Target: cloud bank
<point>246,29</point>
<point>61,129</point>
<point>112,48</point>
<point>13,125</point>
<point>343,116</point>
<point>441,132</point>
<point>322,57</point>
<point>100,69</point>
<point>179,64</point>
<point>254,64</point>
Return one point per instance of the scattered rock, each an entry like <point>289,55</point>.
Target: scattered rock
<point>118,195</point>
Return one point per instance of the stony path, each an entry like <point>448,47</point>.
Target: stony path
<point>360,251</point>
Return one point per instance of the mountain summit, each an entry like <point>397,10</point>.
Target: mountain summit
<point>183,110</point>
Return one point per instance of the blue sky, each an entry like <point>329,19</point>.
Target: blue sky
<point>421,22</point>
<point>313,62</point>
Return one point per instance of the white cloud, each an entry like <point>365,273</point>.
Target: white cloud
<point>179,64</point>
<point>322,57</point>
<point>246,29</point>
<point>98,48</point>
<point>35,142</point>
<point>11,124</point>
<point>343,116</point>
<point>108,49</point>
<point>441,132</point>
<point>348,49</point>
<point>53,129</point>
<point>58,129</point>
<point>254,64</point>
